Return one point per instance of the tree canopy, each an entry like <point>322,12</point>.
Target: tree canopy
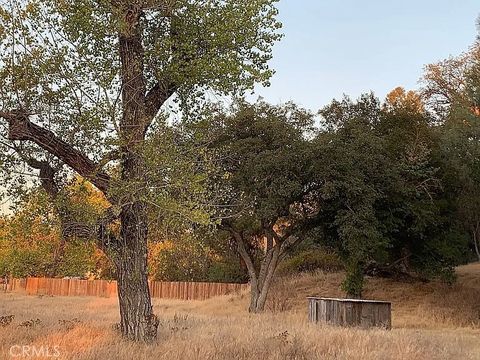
<point>84,83</point>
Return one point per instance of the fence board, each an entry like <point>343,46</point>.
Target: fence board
<point>104,288</point>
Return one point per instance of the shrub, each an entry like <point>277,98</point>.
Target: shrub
<point>78,259</point>
<point>311,260</point>
<point>227,270</point>
<point>183,260</point>
<point>354,281</point>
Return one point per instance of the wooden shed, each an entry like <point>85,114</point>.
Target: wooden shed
<point>350,312</point>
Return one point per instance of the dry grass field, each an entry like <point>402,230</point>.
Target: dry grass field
<point>430,321</point>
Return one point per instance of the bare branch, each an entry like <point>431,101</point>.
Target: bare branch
<point>22,129</point>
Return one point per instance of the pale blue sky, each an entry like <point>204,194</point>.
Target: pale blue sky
<point>352,46</point>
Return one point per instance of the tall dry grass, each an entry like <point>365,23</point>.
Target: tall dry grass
<point>431,321</point>
<point>432,305</point>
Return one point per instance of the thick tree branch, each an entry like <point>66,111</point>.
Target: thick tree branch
<point>156,97</point>
<point>47,176</point>
<point>242,250</point>
<point>47,172</point>
<point>265,265</point>
<point>288,243</point>
<point>99,231</point>
<point>22,129</point>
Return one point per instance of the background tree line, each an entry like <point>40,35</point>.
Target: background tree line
<point>382,188</point>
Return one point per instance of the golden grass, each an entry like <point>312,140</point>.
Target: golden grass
<point>431,321</point>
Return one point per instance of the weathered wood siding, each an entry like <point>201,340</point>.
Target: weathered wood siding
<point>350,312</point>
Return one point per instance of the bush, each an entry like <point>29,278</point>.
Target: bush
<point>311,260</point>
<point>228,271</point>
<point>184,260</point>
<point>354,281</point>
<point>190,260</point>
<point>78,259</point>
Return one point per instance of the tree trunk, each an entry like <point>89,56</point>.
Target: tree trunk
<point>271,266</point>
<point>258,296</point>
<point>252,274</point>
<point>138,322</point>
<point>267,270</point>
<point>475,240</point>
<point>259,283</point>
<point>254,296</point>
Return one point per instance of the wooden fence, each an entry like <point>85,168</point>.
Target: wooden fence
<point>105,288</point>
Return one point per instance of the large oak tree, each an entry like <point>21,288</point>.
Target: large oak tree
<point>82,83</point>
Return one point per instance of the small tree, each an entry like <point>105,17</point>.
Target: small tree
<point>263,166</point>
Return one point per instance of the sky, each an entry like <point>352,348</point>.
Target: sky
<point>350,47</point>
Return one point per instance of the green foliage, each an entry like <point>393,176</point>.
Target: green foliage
<point>176,189</point>
<point>185,260</point>
<point>78,259</point>
<point>189,259</point>
<point>230,43</point>
<point>227,270</point>
<point>31,241</point>
<point>452,89</point>
<point>261,156</point>
<point>27,243</point>
<point>311,260</point>
<point>384,196</point>
<point>21,263</point>
<point>29,248</point>
<point>354,281</point>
